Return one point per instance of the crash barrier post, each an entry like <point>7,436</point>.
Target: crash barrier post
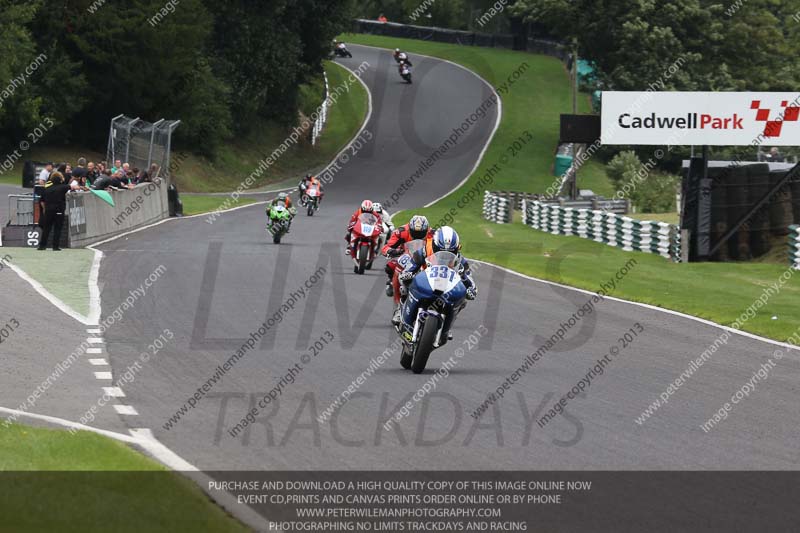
<point>467,38</point>
<point>606,227</point>
<point>174,201</point>
<point>92,219</point>
<point>322,116</point>
<point>496,208</point>
<point>794,246</point>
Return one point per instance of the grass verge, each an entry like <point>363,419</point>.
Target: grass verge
<point>53,481</point>
<point>715,291</point>
<point>197,204</point>
<point>64,274</point>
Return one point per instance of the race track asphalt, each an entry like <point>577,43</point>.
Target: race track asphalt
<point>223,279</point>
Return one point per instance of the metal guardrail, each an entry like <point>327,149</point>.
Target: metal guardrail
<point>605,227</point>
<point>322,116</point>
<point>794,246</point>
<point>467,38</point>
<point>20,209</point>
<point>620,207</point>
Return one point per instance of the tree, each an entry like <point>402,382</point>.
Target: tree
<point>676,44</point>
<point>19,108</point>
<point>135,59</point>
<point>266,50</point>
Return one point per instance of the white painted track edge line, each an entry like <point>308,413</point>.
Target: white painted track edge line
<point>50,297</point>
<point>646,306</point>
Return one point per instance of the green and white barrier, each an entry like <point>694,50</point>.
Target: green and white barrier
<point>496,208</point>
<point>606,227</point>
<point>794,246</point>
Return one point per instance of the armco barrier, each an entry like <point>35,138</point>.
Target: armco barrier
<point>467,38</point>
<point>606,227</point>
<point>91,219</point>
<point>619,207</point>
<point>496,208</point>
<point>794,246</point>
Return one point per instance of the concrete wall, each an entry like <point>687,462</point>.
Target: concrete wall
<point>92,219</point>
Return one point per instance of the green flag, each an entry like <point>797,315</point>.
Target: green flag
<point>105,196</point>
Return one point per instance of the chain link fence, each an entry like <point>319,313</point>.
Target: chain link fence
<point>141,143</point>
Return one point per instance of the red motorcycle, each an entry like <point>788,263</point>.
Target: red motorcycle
<point>409,248</point>
<point>364,241</point>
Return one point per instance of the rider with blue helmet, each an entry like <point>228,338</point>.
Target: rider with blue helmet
<point>445,239</point>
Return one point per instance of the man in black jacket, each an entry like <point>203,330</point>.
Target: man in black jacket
<point>55,204</point>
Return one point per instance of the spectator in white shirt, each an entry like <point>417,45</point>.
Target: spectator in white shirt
<point>44,175</point>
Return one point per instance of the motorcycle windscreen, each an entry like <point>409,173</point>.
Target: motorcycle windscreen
<point>414,246</point>
<point>447,259</point>
<point>368,224</point>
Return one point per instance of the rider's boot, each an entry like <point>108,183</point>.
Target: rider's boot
<point>396,316</point>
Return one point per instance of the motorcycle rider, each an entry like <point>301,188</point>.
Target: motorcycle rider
<point>417,228</point>
<point>366,207</point>
<point>340,49</point>
<point>404,67</point>
<point>388,227</point>
<point>307,182</point>
<point>445,239</point>
<point>401,57</point>
<point>286,201</point>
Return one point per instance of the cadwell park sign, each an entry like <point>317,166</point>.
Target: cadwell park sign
<point>700,118</point>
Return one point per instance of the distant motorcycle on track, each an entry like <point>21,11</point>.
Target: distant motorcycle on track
<point>340,50</point>
<point>364,241</point>
<point>280,219</point>
<point>311,200</point>
<point>405,72</point>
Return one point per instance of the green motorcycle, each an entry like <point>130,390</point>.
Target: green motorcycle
<point>280,219</point>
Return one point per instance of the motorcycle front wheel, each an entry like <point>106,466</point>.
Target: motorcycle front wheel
<point>406,358</point>
<point>425,344</point>
<point>362,259</point>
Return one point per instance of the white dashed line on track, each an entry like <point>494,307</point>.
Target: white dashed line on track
<point>114,392</point>
<point>125,410</point>
<point>98,362</point>
<point>103,375</point>
<point>94,350</point>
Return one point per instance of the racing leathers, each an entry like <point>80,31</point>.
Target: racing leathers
<point>418,261</point>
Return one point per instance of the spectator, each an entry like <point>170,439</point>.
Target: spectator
<point>78,184</point>
<point>117,166</point>
<point>120,181</point>
<point>67,173</point>
<point>44,175</point>
<point>144,177</point>
<point>103,182</point>
<point>382,19</point>
<point>774,155</point>
<point>154,170</point>
<point>55,199</point>
<point>80,171</point>
<point>91,173</point>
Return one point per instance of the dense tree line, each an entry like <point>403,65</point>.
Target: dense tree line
<point>692,45</point>
<point>221,67</point>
